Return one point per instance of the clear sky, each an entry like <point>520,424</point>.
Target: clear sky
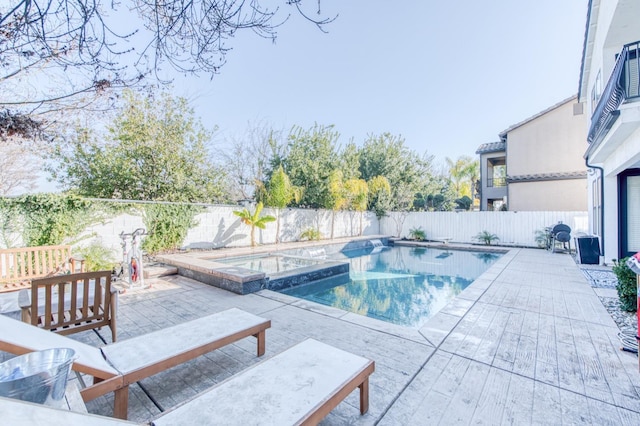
<point>446,75</point>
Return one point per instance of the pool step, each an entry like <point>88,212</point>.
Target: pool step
<point>159,270</point>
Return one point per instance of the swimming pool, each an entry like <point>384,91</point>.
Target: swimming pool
<point>401,285</point>
<point>270,263</point>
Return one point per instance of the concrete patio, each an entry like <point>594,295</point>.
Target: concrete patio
<point>529,342</point>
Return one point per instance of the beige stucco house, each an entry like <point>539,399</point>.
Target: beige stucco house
<point>537,164</point>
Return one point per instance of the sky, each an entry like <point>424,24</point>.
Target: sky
<point>447,76</point>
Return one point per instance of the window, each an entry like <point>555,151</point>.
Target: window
<point>629,193</point>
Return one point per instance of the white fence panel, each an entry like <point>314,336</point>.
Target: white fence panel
<point>513,228</point>
<point>218,227</point>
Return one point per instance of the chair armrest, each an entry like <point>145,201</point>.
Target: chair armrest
<point>24,298</point>
<point>72,264</point>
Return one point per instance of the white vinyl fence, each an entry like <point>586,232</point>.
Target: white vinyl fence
<point>218,227</point>
<point>513,228</point>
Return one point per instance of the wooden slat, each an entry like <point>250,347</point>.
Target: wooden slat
<point>74,303</point>
<point>19,265</point>
<point>74,310</point>
<point>47,306</point>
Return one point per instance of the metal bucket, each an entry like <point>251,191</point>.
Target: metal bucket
<point>39,377</point>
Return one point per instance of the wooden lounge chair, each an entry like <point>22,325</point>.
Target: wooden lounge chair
<point>71,303</point>
<point>116,366</point>
<point>299,386</point>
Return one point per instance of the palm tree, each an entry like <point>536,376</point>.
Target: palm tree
<point>254,220</point>
<point>463,174</point>
<point>473,174</point>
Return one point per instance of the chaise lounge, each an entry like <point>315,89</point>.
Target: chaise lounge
<point>299,386</point>
<point>116,366</point>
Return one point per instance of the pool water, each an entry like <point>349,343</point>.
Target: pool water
<point>401,285</point>
<point>269,264</point>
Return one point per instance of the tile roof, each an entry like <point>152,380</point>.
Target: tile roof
<point>486,148</point>
<point>582,174</point>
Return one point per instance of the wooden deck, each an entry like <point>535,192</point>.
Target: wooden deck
<point>528,343</point>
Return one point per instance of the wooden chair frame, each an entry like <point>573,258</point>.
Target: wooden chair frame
<point>71,303</point>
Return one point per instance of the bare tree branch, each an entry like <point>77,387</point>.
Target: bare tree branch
<point>101,47</point>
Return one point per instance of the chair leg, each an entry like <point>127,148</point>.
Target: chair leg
<point>113,322</point>
<point>121,403</point>
<point>364,396</point>
<point>261,336</point>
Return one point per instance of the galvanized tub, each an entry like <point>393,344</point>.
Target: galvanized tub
<point>39,377</point>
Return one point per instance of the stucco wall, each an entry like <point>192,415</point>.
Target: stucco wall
<point>552,143</point>
<point>218,227</point>
<point>559,195</point>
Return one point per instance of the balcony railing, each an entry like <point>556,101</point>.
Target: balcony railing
<point>496,182</point>
<point>622,85</point>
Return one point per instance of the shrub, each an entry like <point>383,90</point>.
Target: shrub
<point>417,234</point>
<point>627,288</point>
<point>310,234</point>
<point>487,237</point>
<point>542,238</point>
<point>96,257</point>
<point>167,225</point>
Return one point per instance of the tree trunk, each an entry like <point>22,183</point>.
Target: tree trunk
<point>333,221</point>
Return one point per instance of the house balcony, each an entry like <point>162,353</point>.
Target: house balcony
<point>496,182</point>
<point>616,115</point>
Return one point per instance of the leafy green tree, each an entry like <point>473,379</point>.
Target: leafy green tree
<point>386,155</point>
<point>464,203</point>
<point>337,195</point>
<point>379,196</point>
<point>309,160</point>
<point>156,150</point>
<point>279,193</point>
<point>357,193</point>
<point>254,220</point>
<point>349,161</point>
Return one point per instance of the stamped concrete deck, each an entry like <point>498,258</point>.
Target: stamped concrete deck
<point>529,342</point>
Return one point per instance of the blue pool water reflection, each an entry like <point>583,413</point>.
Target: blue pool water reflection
<point>401,285</point>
